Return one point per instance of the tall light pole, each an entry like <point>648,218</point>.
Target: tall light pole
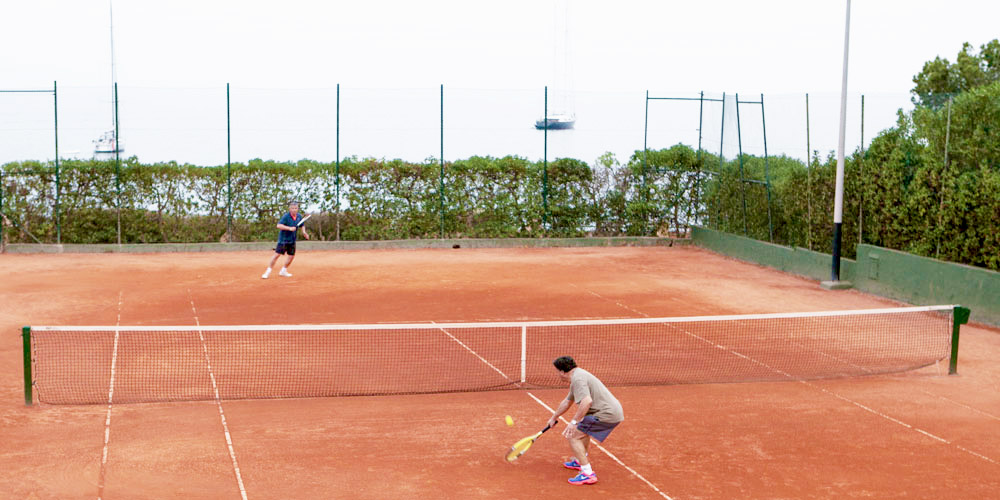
<point>838,203</point>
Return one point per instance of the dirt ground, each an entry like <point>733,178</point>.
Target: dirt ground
<point>915,435</point>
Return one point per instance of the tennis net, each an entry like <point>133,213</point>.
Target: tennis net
<point>102,364</point>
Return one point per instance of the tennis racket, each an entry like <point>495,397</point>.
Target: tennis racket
<point>303,221</point>
<point>522,446</point>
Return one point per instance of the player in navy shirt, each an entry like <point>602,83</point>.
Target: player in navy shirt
<point>288,226</point>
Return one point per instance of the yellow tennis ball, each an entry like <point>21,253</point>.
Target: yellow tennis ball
<point>509,420</point>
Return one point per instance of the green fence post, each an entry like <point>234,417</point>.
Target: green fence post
<point>229,172</point>
<point>55,109</point>
<point>767,173</point>
<point>809,210</point>
<point>441,177</point>
<point>960,316</point>
<point>337,171</point>
<point>118,184</point>
<point>722,166</point>
<point>743,182</point>
<point>545,165</point>
<point>645,149</point>
<point>26,341</point>
<point>697,175</point>
<point>861,175</point>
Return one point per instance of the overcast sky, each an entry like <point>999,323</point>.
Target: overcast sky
<point>747,46</point>
<point>174,58</point>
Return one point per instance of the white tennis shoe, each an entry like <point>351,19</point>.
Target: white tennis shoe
<point>266,274</point>
<point>284,273</point>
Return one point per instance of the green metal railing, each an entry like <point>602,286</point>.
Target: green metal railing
<point>767,170</point>
<point>701,114</point>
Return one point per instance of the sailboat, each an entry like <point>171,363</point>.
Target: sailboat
<point>557,122</point>
<point>107,145</point>
<point>563,118</point>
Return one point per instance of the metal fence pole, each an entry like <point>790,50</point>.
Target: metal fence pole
<point>55,109</point>
<point>809,209</point>
<point>722,165</point>
<point>545,166</point>
<point>861,166</point>
<point>645,149</point>
<point>229,172</point>
<point>441,177</point>
<point>697,178</point>
<point>947,136</point>
<point>767,172</point>
<point>118,185</point>
<point>743,184</point>
<point>337,171</point>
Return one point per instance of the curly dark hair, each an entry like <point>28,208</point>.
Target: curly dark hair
<point>564,363</point>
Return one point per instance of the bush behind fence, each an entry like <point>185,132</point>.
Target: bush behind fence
<point>482,198</point>
<point>898,194</point>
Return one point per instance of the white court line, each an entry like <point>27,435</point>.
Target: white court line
<point>508,324</point>
<point>111,395</point>
<point>608,453</point>
<point>619,304</point>
<point>843,398</point>
<point>939,367</point>
<point>831,393</point>
<point>952,401</point>
<point>218,401</point>
<point>474,353</point>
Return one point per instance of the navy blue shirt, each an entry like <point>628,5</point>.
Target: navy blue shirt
<point>288,236</point>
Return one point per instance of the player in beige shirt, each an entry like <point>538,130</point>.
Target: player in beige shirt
<point>598,413</point>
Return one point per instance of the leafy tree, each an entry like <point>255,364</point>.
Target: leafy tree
<point>940,79</point>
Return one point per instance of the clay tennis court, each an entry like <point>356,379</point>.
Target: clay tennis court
<point>918,434</point>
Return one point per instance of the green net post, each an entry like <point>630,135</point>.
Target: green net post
<point>26,341</point>
<point>960,316</point>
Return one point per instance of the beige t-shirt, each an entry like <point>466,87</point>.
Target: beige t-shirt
<point>605,407</point>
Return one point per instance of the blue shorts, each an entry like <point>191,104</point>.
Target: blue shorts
<point>284,248</point>
<point>596,429</point>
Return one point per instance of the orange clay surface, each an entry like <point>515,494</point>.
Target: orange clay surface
<point>916,435</point>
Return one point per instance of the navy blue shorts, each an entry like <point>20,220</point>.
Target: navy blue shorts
<point>596,429</point>
<point>284,248</point>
